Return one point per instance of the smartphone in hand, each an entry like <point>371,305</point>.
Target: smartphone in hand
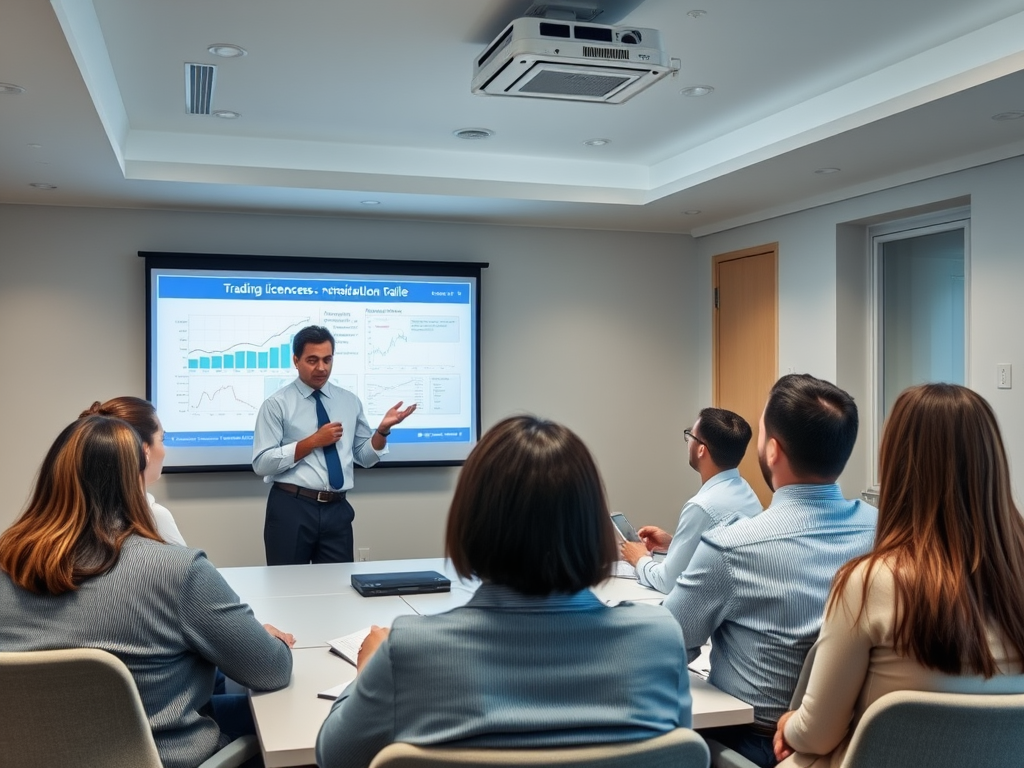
<point>624,528</point>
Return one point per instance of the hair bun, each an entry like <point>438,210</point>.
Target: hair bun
<point>92,410</point>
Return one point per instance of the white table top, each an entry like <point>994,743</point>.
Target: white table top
<point>324,579</point>
<point>317,603</point>
<point>315,619</point>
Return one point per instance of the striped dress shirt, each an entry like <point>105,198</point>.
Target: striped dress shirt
<point>758,588</point>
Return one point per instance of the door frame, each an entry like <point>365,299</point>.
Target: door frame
<point>878,236</point>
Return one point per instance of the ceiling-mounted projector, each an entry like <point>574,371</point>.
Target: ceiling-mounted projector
<point>549,59</point>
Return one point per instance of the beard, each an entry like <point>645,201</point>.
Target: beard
<point>765,471</point>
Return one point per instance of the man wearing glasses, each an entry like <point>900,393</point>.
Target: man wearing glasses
<point>758,588</point>
<point>715,446</point>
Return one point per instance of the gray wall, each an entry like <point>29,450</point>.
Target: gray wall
<point>823,310</point>
<point>594,329</point>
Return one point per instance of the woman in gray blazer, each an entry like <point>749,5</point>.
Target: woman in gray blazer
<point>534,659</point>
<point>84,567</point>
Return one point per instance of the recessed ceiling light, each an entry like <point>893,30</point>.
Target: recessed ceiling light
<point>371,202</point>
<point>1013,115</point>
<point>694,212</point>
<point>473,134</point>
<point>226,50</point>
<point>11,88</point>
<point>827,171</point>
<point>697,90</point>
<point>42,185</point>
<point>226,114</point>
<point>696,13</point>
<point>35,146</point>
<point>597,142</point>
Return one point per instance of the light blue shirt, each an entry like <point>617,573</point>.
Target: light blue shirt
<point>723,499</point>
<point>758,588</point>
<point>289,415</point>
<point>512,670</point>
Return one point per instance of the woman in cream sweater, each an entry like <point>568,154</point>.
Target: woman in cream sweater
<point>938,604</point>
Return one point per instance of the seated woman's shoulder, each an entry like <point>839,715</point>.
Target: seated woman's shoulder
<point>160,553</point>
<point>654,618</point>
<point>877,574</point>
<point>869,585</point>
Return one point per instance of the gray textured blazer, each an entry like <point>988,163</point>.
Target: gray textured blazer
<point>511,670</point>
<point>171,618</point>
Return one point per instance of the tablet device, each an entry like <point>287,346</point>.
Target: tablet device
<point>624,527</point>
<point>401,583</point>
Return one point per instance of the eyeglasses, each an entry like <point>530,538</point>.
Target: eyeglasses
<point>688,436</point>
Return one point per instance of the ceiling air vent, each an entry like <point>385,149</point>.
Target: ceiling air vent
<point>591,52</point>
<point>199,80</point>
<point>598,63</point>
<point>575,84</point>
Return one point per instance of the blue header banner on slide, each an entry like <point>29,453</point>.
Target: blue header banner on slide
<point>289,289</point>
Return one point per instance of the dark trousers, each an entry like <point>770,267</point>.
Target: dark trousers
<point>233,716</point>
<point>750,741</point>
<point>300,530</point>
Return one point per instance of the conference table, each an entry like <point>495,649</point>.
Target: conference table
<point>317,603</point>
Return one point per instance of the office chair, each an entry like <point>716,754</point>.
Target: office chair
<point>681,748</point>
<point>939,730</point>
<point>944,730</point>
<point>80,707</point>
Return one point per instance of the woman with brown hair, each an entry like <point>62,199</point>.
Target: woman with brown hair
<point>84,567</point>
<point>534,659</point>
<point>142,416</point>
<point>938,604</point>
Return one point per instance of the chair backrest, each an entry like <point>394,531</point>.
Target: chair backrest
<point>805,674</point>
<point>75,707</point>
<point>907,728</point>
<point>681,748</point>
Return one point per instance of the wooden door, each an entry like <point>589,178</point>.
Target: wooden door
<point>745,342</point>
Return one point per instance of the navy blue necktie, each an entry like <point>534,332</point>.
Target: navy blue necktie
<point>334,473</point>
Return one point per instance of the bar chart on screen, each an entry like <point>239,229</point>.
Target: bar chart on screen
<point>241,342</point>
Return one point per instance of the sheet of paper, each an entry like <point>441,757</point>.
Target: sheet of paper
<point>623,570</point>
<point>702,664</point>
<point>332,693</point>
<point>347,646</point>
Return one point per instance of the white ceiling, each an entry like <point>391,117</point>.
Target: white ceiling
<point>343,102</point>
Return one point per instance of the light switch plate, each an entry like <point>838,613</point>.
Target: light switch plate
<point>1004,376</point>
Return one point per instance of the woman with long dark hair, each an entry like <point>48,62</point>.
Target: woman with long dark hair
<point>938,603</point>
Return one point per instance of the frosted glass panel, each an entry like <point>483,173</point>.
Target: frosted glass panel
<point>922,312</point>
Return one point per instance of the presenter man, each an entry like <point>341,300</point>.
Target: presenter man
<point>715,447</point>
<point>308,436</point>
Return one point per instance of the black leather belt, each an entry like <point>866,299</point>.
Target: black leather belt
<point>324,497</point>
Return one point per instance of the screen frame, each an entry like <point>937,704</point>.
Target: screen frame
<point>201,262</point>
